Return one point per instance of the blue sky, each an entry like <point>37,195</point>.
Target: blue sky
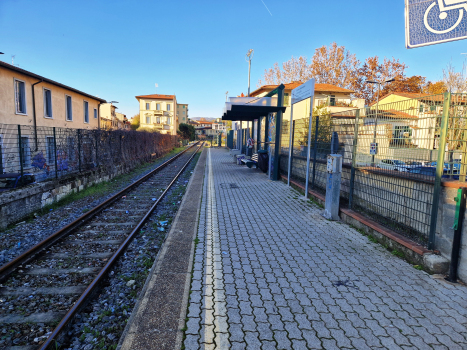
<point>196,49</point>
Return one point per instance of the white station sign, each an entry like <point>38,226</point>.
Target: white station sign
<point>304,91</point>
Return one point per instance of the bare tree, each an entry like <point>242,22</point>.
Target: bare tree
<point>453,80</point>
<point>295,69</point>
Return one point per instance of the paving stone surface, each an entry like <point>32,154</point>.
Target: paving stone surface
<point>271,273</point>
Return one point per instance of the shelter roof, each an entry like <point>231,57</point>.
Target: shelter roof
<point>250,113</point>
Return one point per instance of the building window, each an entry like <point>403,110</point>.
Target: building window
<point>332,100</point>
<point>158,120</point>
<point>25,151</point>
<point>47,103</point>
<point>148,120</point>
<point>168,120</point>
<point>183,112</point>
<point>158,106</point>
<point>286,99</point>
<point>20,97</point>
<point>168,106</point>
<point>147,106</point>
<point>86,111</point>
<point>183,106</point>
<point>95,113</point>
<point>69,109</point>
<point>49,141</point>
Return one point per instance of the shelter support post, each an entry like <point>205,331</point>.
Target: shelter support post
<point>258,134</point>
<point>277,143</point>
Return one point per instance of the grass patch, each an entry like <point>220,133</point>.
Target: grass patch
<point>397,253</point>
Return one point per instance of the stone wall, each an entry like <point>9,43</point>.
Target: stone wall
<point>18,204</point>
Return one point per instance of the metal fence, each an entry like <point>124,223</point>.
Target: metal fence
<point>49,152</point>
<point>391,156</point>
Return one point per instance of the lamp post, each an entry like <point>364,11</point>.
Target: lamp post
<point>376,117</point>
<point>248,58</point>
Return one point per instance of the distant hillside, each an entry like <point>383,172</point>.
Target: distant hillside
<point>204,119</point>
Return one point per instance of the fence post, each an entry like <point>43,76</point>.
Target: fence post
<point>291,154</point>
<point>354,161</point>
<point>55,154</point>
<point>290,144</point>
<point>97,148</point>
<point>314,153</point>
<point>20,145</point>
<point>79,150</point>
<point>439,169</point>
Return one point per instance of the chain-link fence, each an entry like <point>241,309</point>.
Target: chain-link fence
<point>47,152</point>
<point>390,156</point>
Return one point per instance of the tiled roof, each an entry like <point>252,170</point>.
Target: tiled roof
<point>156,97</point>
<point>409,95</point>
<point>50,81</point>
<point>390,113</point>
<point>295,84</point>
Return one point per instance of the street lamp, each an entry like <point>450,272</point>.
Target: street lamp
<point>248,58</point>
<point>376,117</point>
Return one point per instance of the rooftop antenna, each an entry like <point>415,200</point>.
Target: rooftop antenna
<point>13,60</point>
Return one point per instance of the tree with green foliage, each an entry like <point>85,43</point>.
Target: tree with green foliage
<point>186,131</point>
<point>135,122</point>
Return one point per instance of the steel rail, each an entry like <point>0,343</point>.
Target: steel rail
<point>82,299</point>
<point>6,269</point>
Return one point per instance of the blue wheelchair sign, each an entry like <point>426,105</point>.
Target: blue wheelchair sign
<point>434,22</point>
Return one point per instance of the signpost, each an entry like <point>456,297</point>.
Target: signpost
<point>434,22</point>
<point>373,148</point>
<point>304,91</point>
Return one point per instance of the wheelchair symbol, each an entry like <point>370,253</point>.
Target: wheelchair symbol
<point>446,5</point>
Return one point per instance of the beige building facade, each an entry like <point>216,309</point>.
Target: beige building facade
<point>182,113</point>
<point>30,99</point>
<point>158,112</point>
<point>110,119</point>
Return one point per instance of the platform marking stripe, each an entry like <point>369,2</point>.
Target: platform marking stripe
<point>214,283</point>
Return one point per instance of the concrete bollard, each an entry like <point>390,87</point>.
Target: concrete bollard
<point>333,187</point>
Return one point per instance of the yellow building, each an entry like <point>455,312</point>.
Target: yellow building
<point>110,119</point>
<point>334,98</point>
<point>158,112</point>
<point>27,98</point>
<point>182,113</point>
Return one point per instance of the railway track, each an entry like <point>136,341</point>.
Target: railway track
<point>55,278</point>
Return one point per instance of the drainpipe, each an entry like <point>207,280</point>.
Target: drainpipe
<point>34,112</point>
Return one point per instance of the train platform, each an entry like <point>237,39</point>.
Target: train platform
<point>268,271</point>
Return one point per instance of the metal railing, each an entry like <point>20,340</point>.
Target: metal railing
<point>393,158</point>
<point>50,152</point>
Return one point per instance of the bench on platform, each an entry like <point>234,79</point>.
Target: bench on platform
<point>252,161</point>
